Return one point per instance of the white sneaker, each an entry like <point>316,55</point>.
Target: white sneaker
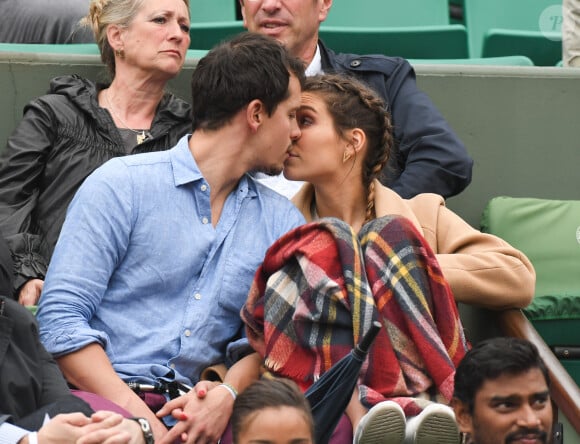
<point>383,424</point>
<point>434,425</point>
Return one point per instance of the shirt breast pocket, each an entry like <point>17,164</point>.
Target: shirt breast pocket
<point>237,280</point>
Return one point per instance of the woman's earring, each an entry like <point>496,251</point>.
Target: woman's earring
<point>345,156</point>
<point>120,53</point>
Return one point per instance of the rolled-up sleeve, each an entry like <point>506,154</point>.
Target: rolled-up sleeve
<point>93,240</point>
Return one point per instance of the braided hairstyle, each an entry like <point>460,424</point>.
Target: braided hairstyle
<point>103,13</point>
<point>352,104</point>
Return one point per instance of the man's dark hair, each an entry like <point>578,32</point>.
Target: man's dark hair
<point>249,66</point>
<point>266,393</point>
<point>489,360</point>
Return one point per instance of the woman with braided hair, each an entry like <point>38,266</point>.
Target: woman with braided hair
<point>368,254</point>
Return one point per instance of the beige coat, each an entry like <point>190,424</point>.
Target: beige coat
<point>481,269</point>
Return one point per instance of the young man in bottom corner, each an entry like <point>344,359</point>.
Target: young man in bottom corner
<point>502,394</point>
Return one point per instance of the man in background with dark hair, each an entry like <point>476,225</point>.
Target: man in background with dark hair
<point>502,393</point>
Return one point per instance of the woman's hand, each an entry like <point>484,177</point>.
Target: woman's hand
<point>30,292</point>
<point>202,387</point>
<point>201,419</point>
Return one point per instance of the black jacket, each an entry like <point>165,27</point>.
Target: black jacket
<point>61,139</point>
<point>31,383</point>
<point>5,269</point>
<point>428,155</point>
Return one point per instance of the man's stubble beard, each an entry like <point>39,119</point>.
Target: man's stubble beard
<point>270,171</point>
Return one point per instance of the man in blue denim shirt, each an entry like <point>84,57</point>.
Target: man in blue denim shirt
<point>158,251</point>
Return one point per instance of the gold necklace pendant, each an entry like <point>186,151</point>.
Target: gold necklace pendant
<point>141,137</point>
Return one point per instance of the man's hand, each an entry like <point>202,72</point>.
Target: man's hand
<point>201,419</point>
<point>101,428</point>
<point>30,292</point>
<point>111,428</point>
<point>63,429</point>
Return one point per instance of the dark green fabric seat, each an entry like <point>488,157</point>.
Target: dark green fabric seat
<point>501,16</point>
<point>212,10</point>
<point>548,232</point>
<point>388,13</point>
<point>411,42</point>
<point>536,45</point>
<point>488,61</point>
<point>205,35</point>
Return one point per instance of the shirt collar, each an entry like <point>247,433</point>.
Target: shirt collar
<point>185,169</point>
<point>315,66</point>
<point>184,166</point>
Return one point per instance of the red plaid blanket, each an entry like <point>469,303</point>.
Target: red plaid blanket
<point>320,287</point>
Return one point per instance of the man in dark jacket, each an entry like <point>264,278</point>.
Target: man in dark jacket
<point>32,389</point>
<point>428,156</point>
<point>32,386</point>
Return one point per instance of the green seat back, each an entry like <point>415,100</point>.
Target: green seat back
<point>541,50</point>
<point>195,54</point>
<point>417,42</point>
<point>51,48</point>
<point>207,35</point>
<point>212,10</point>
<point>489,61</point>
<point>526,15</point>
<point>548,232</point>
<point>388,13</point>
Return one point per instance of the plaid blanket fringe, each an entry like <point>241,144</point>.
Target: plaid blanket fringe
<point>320,287</point>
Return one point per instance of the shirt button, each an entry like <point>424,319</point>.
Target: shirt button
<point>187,333</point>
<point>172,365</point>
<point>203,187</point>
<point>204,220</point>
<point>197,296</point>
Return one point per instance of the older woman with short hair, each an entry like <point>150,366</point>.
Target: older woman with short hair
<point>69,132</point>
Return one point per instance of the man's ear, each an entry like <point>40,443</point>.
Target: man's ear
<point>243,11</point>
<point>324,8</point>
<point>462,416</point>
<point>255,114</point>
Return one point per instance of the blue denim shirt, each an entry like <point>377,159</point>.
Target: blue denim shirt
<point>140,269</point>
